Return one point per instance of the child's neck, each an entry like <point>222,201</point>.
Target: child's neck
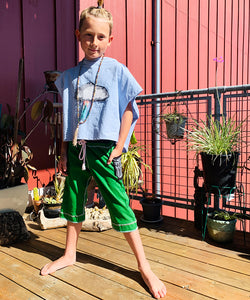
<point>92,60</point>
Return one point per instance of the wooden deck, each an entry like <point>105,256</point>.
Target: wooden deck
<point>106,269</point>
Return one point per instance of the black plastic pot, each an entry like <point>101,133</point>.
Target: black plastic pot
<point>51,210</point>
<point>175,129</point>
<point>151,210</point>
<point>220,172</point>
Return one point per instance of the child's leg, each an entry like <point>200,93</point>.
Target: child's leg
<point>155,285</point>
<point>69,257</point>
<point>122,216</point>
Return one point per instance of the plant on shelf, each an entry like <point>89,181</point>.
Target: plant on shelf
<point>221,225</point>
<point>175,124</point>
<point>215,137</point>
<point>131,166</point>
<point>218,144</point>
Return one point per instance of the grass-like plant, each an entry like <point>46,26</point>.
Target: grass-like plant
<point>214,137</point>
<point>131,167</point>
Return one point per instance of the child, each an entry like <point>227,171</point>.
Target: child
<point>100,113</point>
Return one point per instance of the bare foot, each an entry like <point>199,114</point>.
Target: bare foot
<point>155,285</point>
<point>58,264</point>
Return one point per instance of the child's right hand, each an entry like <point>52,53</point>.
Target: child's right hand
<point>62,165</point>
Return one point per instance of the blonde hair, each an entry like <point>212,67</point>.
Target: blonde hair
<point>98,12</point>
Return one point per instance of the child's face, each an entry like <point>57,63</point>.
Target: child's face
<point>94,37</point>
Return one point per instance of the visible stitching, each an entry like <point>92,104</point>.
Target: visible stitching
<point>76,216</point>
<point>124,224</point>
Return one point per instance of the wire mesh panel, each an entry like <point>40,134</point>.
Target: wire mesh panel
<point>173,164</point>
<point>236,106</point>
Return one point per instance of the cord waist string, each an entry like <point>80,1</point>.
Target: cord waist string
<point>82,153</point>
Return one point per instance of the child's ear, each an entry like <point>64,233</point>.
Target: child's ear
<point>77,33</point>
<point>110,39</point>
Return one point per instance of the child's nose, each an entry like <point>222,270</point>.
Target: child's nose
<point>95,40</point>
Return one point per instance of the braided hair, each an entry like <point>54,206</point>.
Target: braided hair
<point>98,12</point>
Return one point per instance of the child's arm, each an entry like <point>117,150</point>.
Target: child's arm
<point>126,122</point>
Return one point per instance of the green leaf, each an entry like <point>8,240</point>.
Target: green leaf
<point>133,139</point>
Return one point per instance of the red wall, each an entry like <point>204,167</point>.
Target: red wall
<point>193,32</point>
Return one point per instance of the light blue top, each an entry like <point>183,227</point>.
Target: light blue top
<point>115,88</point>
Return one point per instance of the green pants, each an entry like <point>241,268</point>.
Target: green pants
<point>112,189</point>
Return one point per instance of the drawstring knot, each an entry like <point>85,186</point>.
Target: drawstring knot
<point>82,153</point>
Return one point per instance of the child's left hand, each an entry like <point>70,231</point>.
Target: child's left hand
<point>115,153</point>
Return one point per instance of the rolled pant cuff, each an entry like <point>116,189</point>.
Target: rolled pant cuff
<point>73,219</point>
<point>125,227</point>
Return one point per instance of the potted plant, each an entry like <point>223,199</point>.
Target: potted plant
<point>14,164</point>
<point>221,226</point>
<point>15,155</point>
<point>131,166</point>
<point>218,144</point>
<point>175,124</point>
<point>151,206</point>
<point>52,200</point>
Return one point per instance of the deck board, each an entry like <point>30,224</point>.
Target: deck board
<point>106,269</point>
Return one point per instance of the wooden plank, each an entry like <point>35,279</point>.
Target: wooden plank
<point>188,250</point>
<point>185,273</point>
<point>10,290</point>
<point>65,38</point>
<point>10,51</point>
<point>193,51</point>
<point>42,245</point>
<point>28,277</point>
<point>197,243</point>
<point>105,289</point>
<point>168,46</point>
<point>203,44</point>
<point>118,49</point>
<point>136,39</point>
<point>155,254</point>
<point>212,43</point>
<point>181,47</point>
<point>115,272</point>
<point>39,56</point>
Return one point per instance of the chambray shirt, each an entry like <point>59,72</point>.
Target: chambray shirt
<point>115,88</point>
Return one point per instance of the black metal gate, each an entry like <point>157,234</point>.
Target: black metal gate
<point>175,168</point>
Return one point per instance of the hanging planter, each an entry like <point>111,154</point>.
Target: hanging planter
<point>175,124</point>
<point>175,129</point>
<point>219,172</point>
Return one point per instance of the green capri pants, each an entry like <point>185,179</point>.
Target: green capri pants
<point>111,188</point>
